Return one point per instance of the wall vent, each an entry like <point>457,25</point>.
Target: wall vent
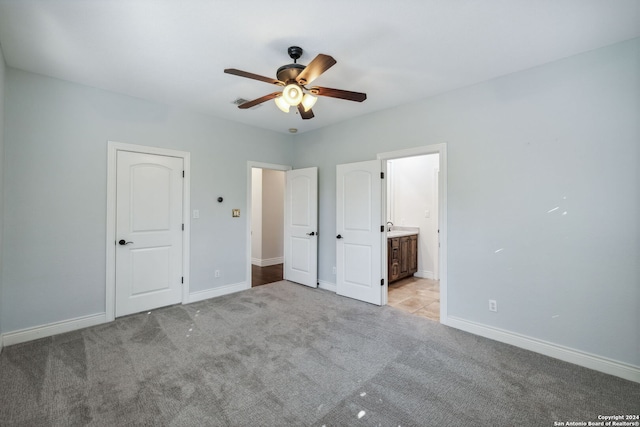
<point>239,101</point>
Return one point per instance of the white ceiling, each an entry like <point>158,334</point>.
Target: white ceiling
<point>174,51</point>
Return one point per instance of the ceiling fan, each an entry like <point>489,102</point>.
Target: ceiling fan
<point>295,78</point>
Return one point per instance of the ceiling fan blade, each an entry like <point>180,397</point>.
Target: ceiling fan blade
<point>257,101</point>
<point>319,65</point>
<point>248,75</point>
<point>305,114</point>
<point>338,93</point>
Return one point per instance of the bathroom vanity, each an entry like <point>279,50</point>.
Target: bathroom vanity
<point>402,252</point>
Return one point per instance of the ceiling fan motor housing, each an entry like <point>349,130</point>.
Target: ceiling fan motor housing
<point>288,73</point>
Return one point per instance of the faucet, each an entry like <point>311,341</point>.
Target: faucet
<point>389,226</point>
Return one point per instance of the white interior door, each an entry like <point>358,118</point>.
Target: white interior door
<point>358,240</point>
<point>301,226</point>
<point>149,198</point>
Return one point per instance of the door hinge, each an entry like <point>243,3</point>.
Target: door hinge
<point>381,175</point>
<point>382,228</point>
<point>381,282</point>
<point>182,227</point>
<point>183,174</point>
<point>182,279</point>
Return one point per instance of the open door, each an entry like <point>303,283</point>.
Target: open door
<point>301,227</point>
<point>358,222</point>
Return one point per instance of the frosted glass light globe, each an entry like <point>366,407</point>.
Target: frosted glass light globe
<point>292,94</point>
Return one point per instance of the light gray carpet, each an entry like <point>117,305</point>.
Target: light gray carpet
<point>286,355</point>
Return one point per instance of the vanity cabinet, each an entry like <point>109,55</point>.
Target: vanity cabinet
<point>402,254</point>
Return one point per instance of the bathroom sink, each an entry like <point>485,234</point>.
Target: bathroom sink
<point>402,231</point>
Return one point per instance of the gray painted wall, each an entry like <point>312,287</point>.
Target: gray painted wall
<point>273,182</point>
<point>543,197</point>
<point>2,79</point>
<point>55,199</point>
<point>564,135</point>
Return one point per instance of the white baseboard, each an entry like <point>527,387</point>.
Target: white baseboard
<point>216,292</point>
<point>36,332</point>
<point>327,286</point>
<point>577,357</point>
<point>267,262</point>
<point>424,274</point>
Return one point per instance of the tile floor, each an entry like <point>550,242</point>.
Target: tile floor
<point>418,296</point>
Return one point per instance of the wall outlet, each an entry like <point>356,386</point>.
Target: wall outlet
<point>216,273</point>
<point>493,305</point>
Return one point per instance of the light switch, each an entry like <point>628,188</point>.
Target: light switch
<point>196,213</point>
<point>427,214</point>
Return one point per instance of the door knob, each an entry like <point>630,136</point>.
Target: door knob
<point>338,236</point>
<point>313,233</point>
<point>123,242</point>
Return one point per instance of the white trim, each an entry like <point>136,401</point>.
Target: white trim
<point>216,292</point>
<point>577,357</point>
<point>424,274</point>
<point>390,206</point>
<point>267,262</point>
<point>440,149</point>
<point>55,328</point>
<point>258,165</point>
<point>327,286</point>
<point>112,151</point>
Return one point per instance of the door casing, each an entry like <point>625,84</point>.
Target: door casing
<point>112,151</point>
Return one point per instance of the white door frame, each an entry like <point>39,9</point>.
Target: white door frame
<point>112,152</point>
<point>440,149</point>
<point>251,165</point>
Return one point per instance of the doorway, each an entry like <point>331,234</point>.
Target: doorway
<point>299,224</point>
<point>267,225</point>
<point>148,202</point>
<point>420,202</point>
<point>412,207</point>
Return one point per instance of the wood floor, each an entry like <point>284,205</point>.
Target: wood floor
<point>264,275</point>
<point>418,296</point>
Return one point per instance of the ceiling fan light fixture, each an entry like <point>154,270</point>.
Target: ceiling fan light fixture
<point>308,101</point>
<point>282,104</point>
<point>292,80</point>
<point>292,94</point>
